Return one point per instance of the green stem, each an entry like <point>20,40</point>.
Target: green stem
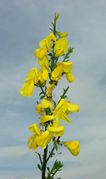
<point>39,155</point>
<point>54,25</point>
<point>50,154</point>
<point>65,91</point>
<point>44,163</point>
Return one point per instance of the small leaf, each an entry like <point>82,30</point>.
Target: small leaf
<point>39,167</point>
<point>55,145</point>
<point>41,97</point>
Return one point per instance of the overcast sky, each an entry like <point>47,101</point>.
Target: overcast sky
<point>23,23</point>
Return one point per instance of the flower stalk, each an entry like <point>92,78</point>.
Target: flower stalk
<point>53,58</point>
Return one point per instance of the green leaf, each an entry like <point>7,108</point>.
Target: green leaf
<point>57,15</point>
<point>58,165</point>
<point>55,145</point>
<point>41,97</point>
<point>39,167</point>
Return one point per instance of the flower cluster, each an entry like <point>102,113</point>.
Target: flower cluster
<point>51,70</point>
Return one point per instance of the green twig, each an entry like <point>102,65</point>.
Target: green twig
<point>39,157</point>
<point>64,93</point>
<point>44,163</point>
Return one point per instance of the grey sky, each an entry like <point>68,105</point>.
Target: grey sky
<point>22,24</point>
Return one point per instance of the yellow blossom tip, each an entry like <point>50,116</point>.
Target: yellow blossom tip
<point>73,147</point>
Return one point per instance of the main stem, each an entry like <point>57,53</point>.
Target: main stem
<point>45,159</point>
<point>44,163</point>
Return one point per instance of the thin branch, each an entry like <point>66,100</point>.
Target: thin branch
<point>39,157</point>
<point>50,154</point>
<point>65,91</point>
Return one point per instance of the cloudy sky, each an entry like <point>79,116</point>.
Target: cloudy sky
<point>22,24</point>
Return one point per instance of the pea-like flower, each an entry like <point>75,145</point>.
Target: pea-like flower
<point>61,46</point>
<point>56,131</point>
<point>44,104</point>
<point>38,138</point>
<point>44,47</point>
<point>32,79</point>
<point>43,75</point>
<point>48,41</point>
<point>41,139</point>
<point>73,147</point>
<point>34,129</point>
<point>63,68</point>
<point>62,110</point>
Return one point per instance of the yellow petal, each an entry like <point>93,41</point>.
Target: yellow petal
<point>43,62</point>
<point>32,75</point>
<point>47,42</point>
<point>52,37</point>
<point>27,88</point>
<point>59,106</point>
<point>46,104</point>
<point>32,142</point>
<point>66,118</point>
<point>46,118</point>
<point>56,131</point>
<point>44,43</point>
<point>34,129</point>
<point>67,66</point>
<point>39,109</point>
<point>56,121</point>
<point>73,107</point>
<point>73,147</point>
<point>40,52</point>
<point>43,105</point>
<point>43,75</point>
<point>57,72</point>
<point>44,139</point>
<point>61,46</point>
<point>70,77</point>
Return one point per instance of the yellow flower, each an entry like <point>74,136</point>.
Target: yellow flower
<point>40,52</point>
<point>73,107</point>
<point>70,77</point>
<point>32,141</point>
<point>57,72</point>
<point>43,62</point>
<point>49,89</point>
<point>61,111</point>
<point>67,66</point>
<point>56,131</point>
<point>31,79</point>
<point>61,46</point>
<point>46,118</point>
<point>47,42</point>
<point>43,75</point>
<point>43,105</point>
<point>44,139</point>
<point>63,67</point>
<point>73,147</point>
<point>63,108</point>
<point>38,139</point>
<point>32,75</point>
<point>34,129</point>
<point>27,88</point>
<point>67,69</point>
<point>52,37</point>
